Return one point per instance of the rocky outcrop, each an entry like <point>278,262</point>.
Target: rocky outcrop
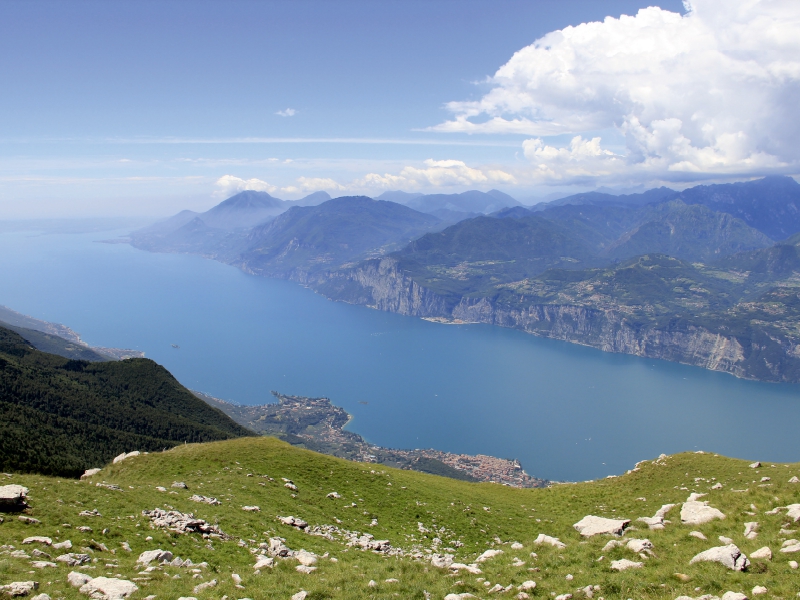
<point>383,284</point>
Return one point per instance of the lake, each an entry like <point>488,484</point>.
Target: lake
<point>565,411</point>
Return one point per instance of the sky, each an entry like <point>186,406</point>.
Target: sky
<point>150,107</point>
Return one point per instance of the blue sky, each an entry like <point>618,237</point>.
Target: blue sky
<point>142,107</point>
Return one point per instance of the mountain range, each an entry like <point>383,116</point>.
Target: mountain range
<point>698,276</point>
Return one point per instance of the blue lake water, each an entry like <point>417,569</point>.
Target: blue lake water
<point>567,412</point>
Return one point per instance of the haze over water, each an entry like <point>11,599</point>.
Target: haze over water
<point>567,412</point>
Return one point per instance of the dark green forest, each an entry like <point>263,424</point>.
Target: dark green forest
<point>61,416</point>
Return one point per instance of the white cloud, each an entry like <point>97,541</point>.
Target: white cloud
<point>228,185</point>
<point>289,112</point>
<point>714,91</point>
<point>437,173</point>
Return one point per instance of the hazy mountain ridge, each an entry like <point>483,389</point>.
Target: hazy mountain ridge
<point>661,273</point>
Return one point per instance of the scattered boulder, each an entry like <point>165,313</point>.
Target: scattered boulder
<point>725,540</point>
<point>694,512</point>
<point>294,522</point>
<point>790,546</point>
<point>473,568</point>
<point>145,558</point>
<point>29,520</point>
<point>180,485</point>
<point>264,562</point>
<point>762,554</point>
<point>733,596</point>
<point>278,548</point>
<point>716,486</point>
<point>750,530</point>
<point>640,546</point>
<point>205,586</point>
<point>755,465</point>
<point>19,588</point>
<point>517,546</point>
<point>657,520</point>
<point>41,597</point>
<point>301,595</point>
<point>73,560</point>
<point>624,564</point>
<point>611,545</point>
<point>90,513</point>
<point>204,499</point>
<point>729,556</point>
<point>758,590</point>
<point>442,561</point>
<point>90,473</point>
<point>290,485</point>
<point>699,535</point>
<point>334,495</point>
<point>77,579</point>
<point>12,497</point>
<point>590,526</point>
<point>527,586</point>
<point>487,555</point>
<point>65,545</point>
<point>108,588</point>
<point>181,522</point>
<point>794,480</point>
<point>305,569</point>
<point>793,512</point>
<point>38,539</point>
<point>306,558</point>
<point>42,564</point>
<point>124,456</point>
<point>251,509</point>
<point>550,541</point>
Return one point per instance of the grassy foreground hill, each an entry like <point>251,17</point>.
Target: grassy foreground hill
<point>418,514</point>
<point>62,416</point>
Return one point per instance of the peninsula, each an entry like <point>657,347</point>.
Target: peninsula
<point>317,424</point>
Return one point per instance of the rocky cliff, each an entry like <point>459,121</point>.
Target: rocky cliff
<point>751,354</point>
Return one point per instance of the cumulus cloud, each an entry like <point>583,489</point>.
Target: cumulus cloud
<point>289,112</point>
<point>228,185</point>
<point>314,184</point>
<point>714,91</point>
<point>436,173</point>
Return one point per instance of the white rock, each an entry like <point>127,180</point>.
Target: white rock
<point>38,539</point>
<point>517,546</point>
<point>527,586</point>
<point>108,588</point>
<point>19,588</point>
<point>716,486</point>
<point>755,465</point>
<point>473,568</point>
<point>180,485</point>
<point>794,480</point>
<point>496,588</point>
<point>758,590</point>
<point>290,485</point>
<point>611,545</point>
<point>442,561</point>
<point>264,561</point>
<point>462,596</point>
<point>487,555</point>
<point>762,553</point>
<point>76,579</point>
<point>205,586</point>
<point>695,496</point>
<point>564,597</point>
<point>697,513</point>
<point>301,595</point>
<point>305,558</point>
<point>73,560</point>
<point>657,520</point>
<point>750,530</point>
<point>551,541</point>
<point>639,545</point>
<point>699,535</point>
<point>305,569</point>
<point>65,545</point>
<point>793,512</point>
<point>293,521</point>
<point>730,556</point>
<point>145,558</point>
<point>124,456</point>
<point>12,495</point>
<point>793,564</point>
<point>89,473</point>
<point>42,564</point>
<point>334,495</point>
<point>161,488</point>
<point>251,509</point>
<point>391,580</point>
<point>733,596</point>
<point>725,540</point>
<point>623,564</point>
<point>591,525</point>
<point>41,597</point>
<point>791,548</point>
<point>204,499</point>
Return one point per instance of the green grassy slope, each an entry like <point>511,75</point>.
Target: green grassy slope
<point>479,516</point>
<point>52,344</point>
<point>63,416</point>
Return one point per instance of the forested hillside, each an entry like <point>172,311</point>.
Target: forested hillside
<point>61,416</point>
